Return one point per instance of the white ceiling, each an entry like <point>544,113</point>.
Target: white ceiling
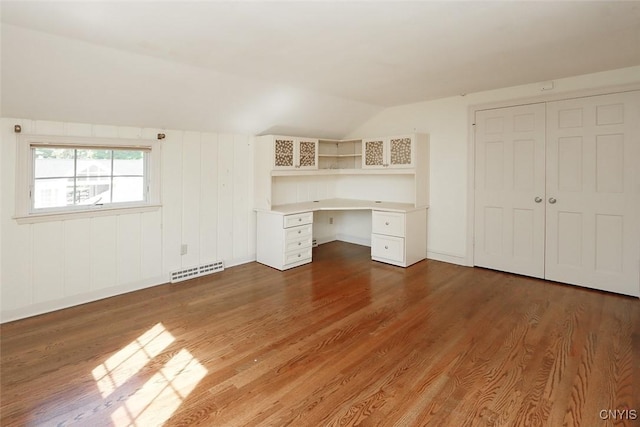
<point>374,54</point>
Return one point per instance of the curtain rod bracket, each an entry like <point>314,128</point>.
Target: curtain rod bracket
<point>161,136</point>
<point>17,128</point>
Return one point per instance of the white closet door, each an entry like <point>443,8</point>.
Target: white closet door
<point>509,189</point>
<point>593,192</point>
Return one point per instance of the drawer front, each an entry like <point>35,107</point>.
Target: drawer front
<point>388,247</point>
<point>297,256</point>
<point>389,223</point>
<point>298,244</point>
<point>295,233</point>
<point>298,219</point>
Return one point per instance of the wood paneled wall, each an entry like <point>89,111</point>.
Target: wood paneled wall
<point>207,204</point>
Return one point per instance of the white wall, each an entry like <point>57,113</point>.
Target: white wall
<point>446,120</point>
<point>207,198</point>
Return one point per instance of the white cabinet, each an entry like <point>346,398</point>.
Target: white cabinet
<point>392,152</point>
<point>387,249</point>
<point>284,241</point>
<point>399,238</point>
<point>295,153</point>
<point>396,173</point>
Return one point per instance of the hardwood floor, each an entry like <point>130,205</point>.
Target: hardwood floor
<point>341,341</point>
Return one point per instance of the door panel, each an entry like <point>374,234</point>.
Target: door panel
<point>593,158</point>
<point>510,163</point>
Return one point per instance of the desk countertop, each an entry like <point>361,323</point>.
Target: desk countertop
<point>341,205</point>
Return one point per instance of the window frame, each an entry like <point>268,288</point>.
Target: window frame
<point>25,177</point>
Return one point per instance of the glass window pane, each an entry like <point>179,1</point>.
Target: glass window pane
<point>93,163</point>
<point>128,162</point>
<point>128,189</point>
<point>97,154</point>
<point>93,190</point>
<point>53,162</point>
<point>53,193</point>
<point>68,177</point>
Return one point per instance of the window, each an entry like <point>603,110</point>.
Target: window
<point>68,175</point>
<point>72,177</point>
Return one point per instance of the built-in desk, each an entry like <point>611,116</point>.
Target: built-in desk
<point>285,232</point>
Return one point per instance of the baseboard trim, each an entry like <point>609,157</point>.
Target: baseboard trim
<point>71,301</point>
<point>363,241</point>
<point>239,261</point>
<point>323,240</point>
<point>450,258</point>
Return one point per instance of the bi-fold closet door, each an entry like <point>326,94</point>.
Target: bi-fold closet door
<point>557,191</point>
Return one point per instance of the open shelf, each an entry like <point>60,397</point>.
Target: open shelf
<point>339,154</point>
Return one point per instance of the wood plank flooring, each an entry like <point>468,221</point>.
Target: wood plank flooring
<point>341,341</point>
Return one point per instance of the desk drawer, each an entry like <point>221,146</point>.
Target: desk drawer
<point>297,256</point>
<point>298,219</point>
<point>298,244</point>
<point>388,223</point>
<point>388,247</point>
<point>295,233</point>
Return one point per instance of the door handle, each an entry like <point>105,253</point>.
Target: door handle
<point>538,199</point>
<point>552,200</point>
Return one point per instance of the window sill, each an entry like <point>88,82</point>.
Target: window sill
<point>66,216</point>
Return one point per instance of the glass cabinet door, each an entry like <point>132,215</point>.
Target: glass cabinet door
<point>400,154</point>
<point>308,154</point>
<point>284,153</point>
<point>373,153</point>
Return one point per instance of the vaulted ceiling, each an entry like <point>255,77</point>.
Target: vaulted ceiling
<point>296,67</point>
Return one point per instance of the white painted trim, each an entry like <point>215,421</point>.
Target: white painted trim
<point>239,261</point>
<point>560,96</point>
<point>324,240</point>
<point>65,216</point>
<point>24,175</point>
<point>88,297</point>
<point>75,300</point>
<point>471,168</point>
<point>471,184</point>
<point>450,258</point>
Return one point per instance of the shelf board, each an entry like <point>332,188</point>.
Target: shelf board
<point>339,155</point>
<point>320,172</point>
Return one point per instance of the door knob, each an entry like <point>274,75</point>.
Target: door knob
<point>538,199</point>
<point>552,200</point>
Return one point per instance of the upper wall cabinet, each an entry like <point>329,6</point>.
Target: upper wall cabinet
<point>394,152</point>
<point>404,160</point>
<point>295,153</point>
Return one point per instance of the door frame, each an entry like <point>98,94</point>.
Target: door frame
<point>471,142</point>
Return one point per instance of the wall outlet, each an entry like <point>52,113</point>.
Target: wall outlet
<point>183,249</point>
<point>330,220</point>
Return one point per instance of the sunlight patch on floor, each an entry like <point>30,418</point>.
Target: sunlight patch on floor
<point>162,394</point>
<point>131,359</point>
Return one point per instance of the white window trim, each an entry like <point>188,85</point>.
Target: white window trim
<point>25,170</point>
